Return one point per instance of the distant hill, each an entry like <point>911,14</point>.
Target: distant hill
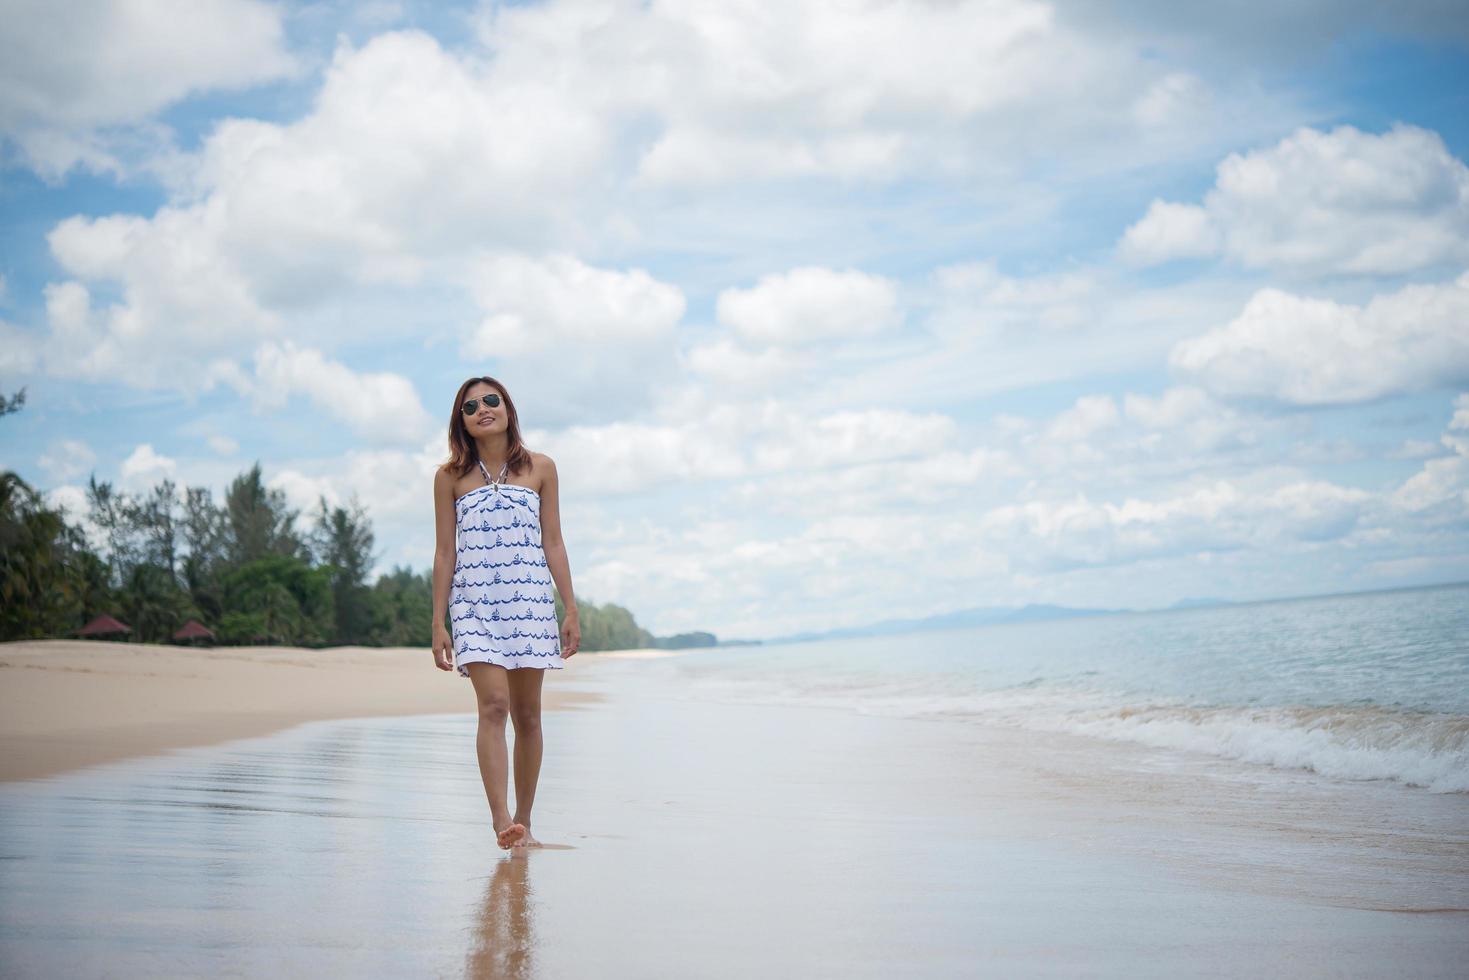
<point>979,616</point>
<point>685,641</point>
<point>995,615</point>
<point>1207,603</point>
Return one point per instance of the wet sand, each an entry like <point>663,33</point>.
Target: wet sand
<point>706,838</point>
<point>65,704</point>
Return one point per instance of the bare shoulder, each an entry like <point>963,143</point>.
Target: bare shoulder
<point>543,468</point>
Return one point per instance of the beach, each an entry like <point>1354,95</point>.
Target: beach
<point>699,834</point>
<point>65,704</point>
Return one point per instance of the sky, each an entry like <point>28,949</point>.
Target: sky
<point>827,312</point>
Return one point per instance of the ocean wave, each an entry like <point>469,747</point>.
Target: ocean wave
<point>1356,742</point>
<point>1416,748</point>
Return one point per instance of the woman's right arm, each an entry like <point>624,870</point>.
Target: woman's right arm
<point>444,556</point>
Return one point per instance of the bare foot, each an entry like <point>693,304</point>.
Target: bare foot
<point>510,836</point>
<point>527,840</point>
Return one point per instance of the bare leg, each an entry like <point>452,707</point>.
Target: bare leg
<point>492,694</point>
<point>525,713</point>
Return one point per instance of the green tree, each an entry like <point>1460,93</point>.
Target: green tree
<point>402,605</point>
<point>12,404</point>
<point>46,582</point>
<point>278,599</point>
<point>115,515</point>
<point>49,581</point>
<point>342,542</point>
<point>607,627</point>
<point>205,533</point>
<point>153,604</point>
<point>685,641</point>
<point>259,523</point>
<point>155,518</point>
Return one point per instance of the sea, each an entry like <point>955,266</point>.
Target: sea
<point>1371,686</point>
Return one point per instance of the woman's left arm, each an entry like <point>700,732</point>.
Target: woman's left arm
<point>556,561</point>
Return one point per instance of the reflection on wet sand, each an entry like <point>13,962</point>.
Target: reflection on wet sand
<point>504,939</point>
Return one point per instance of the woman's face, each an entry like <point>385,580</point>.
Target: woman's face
<point>486,419</point>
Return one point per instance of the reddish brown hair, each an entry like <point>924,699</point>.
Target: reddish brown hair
<point>464,452</point>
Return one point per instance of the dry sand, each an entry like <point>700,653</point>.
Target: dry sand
<point>65,704</point>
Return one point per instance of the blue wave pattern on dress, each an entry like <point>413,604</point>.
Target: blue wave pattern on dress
<point>501,606</point>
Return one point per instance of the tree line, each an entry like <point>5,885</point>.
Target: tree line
<point>248,566</point>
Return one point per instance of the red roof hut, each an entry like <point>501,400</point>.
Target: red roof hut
<point>104,626</point>
<point>194,632</point>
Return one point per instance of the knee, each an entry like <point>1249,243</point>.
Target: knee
<point>494,710</point>
<point>527,721</point>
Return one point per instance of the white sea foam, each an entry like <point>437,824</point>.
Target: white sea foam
<point>1427,750</point>
<point>1419,749</point>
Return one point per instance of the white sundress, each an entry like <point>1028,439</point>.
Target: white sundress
<point>501,607</point>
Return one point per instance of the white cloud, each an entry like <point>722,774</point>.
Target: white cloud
<point>936,477</point>
<point>976,298</point>
<point>1176,97</point>
<point>810,304</point>
<point>394,485</point>
<point>379,406</point>
<point>1050,534</point>
<point>790,441</point>
<point>1442,486</point>
<point>726,441</point>
<point>68,70</point>
<point>19,350</point>
<point>538,304</point>
<point>305,493</point>
<point>72,500</point>
<point>1170,231</point>
<point>1090,414</point>
<point>702,156</point>
<point>624,456</point>
<point>145,467</point>
<point>66,460</point>
<point>174,330</point>
<point>1111,446</point>
<point>724,362</point>
<point>1174,407</point>
<point>573,341</point>
<point>1305,351</point>
<point>746,89</point>
<point>1323,203</point>
<point>222,444</point>
<point>381,187</point>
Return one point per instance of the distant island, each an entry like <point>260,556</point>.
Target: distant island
<point>978,616</point>
<point>1000,615</point>
<point>1207,603</point>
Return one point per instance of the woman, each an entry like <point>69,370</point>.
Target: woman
<point>497,550</point>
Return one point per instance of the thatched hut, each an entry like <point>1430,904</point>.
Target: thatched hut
<point>194,633</point>
<point>105,628</point>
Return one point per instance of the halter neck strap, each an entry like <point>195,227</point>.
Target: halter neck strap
<point>487,472</point>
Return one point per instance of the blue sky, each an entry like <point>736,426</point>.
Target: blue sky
<point>828,312</point>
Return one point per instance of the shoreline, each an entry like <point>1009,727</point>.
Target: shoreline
<point>70,704</point>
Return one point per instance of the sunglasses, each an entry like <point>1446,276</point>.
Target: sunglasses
<point>491,400</point>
